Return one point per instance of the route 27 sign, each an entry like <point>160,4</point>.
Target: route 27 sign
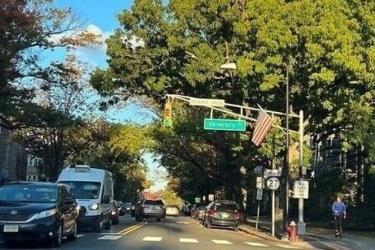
<point>273,183</point>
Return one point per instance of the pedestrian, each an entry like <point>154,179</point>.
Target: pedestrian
<point>339,212</point>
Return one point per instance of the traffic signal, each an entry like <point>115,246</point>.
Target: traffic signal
<point>168,114</point>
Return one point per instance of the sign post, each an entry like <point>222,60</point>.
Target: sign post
<point>273,183</point>
<point>259,198</point>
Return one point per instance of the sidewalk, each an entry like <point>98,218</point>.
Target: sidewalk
<point>315,237</point>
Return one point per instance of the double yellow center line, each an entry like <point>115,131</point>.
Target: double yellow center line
<point>132,228</point>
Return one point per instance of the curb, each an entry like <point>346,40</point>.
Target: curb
<point>258,234</point>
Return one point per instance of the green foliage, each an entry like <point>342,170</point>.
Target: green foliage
<point>327,46</point>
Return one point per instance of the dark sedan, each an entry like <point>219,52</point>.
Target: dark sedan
<point>42,211</point>
<point>222,213</point>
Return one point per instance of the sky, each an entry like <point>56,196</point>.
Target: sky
<point>100,16</point>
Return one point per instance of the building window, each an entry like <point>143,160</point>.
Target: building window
<point>30,161</point>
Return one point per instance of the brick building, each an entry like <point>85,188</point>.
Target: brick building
<point>12,156</point>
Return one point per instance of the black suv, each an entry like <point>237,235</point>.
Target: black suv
<point>37,210</point>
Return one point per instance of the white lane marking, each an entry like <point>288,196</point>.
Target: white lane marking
<point>223,242</point>
<point>285,246</point>
<point>109,237</point>
<point>183,222</point>
<point>255,244</point>
<point>80,235</point>
<point>188,240</point>
<point>152,239</point>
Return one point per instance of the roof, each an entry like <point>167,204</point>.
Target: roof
<point>91,174</point>
<point>30,183</point>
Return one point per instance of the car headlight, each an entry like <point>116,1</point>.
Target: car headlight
<point>113,212</point>
<point>43,214</point>
<point>94,207</point>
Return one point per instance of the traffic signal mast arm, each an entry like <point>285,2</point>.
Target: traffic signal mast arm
<point>206,103</point>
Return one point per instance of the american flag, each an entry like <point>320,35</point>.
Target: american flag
<point>262,126</point>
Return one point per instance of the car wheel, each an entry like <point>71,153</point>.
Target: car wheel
<point>107,225</point>
<point>56,242</point>
<point>158,219</point>
<point>115,221</point>
<point>73,235</point>
<point>235,228</point>
<point>207,224</point>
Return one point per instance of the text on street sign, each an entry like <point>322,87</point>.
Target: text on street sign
<point>224,124</point>
<point>301,189</point>
<point>272,172</point>
<point>207,102</point>
<point>273,183</point>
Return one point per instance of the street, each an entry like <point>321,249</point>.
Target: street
<point>173,233</point>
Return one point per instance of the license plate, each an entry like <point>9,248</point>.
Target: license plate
<point>224,216</point>
<point>10,228</point>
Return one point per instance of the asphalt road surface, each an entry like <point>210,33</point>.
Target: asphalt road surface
<point>172,234</point>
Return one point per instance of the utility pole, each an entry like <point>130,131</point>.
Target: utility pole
<point>301,226</point>
<point>286,170</point>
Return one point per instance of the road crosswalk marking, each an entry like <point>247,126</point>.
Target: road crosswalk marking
<point>188,240</point>
<point>80,235</point>
<point>285,246</point>
<point>152,239</point>
<point>110,237</point>
<point>255,244</point>
<point>222,242</point>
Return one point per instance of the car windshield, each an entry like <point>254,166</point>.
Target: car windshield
<point>83,189</point>
<point>152,202</point>
<point>28,193</point>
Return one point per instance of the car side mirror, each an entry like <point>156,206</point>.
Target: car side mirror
<point>106,199</point>
<point>69,201</point>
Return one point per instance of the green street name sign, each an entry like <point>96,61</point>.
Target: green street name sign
<point>224,124</point>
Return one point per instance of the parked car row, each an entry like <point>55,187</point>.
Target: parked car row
<point>220,213</point>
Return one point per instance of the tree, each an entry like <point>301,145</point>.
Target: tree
<point>325,44</point>
<point>27,29</point>
<point>63,99</point>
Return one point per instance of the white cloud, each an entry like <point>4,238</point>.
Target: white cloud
<point>94,54</point>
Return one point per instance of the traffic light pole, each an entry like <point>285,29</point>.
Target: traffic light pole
<point>222,107</point>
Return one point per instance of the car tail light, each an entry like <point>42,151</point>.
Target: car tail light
<point>212,213</point>
<point>236,215</point>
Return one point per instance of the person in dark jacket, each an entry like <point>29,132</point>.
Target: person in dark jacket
<point>339,212</point>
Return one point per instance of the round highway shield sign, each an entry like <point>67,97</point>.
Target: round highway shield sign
<point>273,183</point>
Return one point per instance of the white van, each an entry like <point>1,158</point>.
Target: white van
<point>93,190</point>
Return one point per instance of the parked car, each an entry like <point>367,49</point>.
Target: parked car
<point>115,214</point>
<point>133,207</point>
<point>150,209</point>
<point>193,210</point>
<point>200,212</point>
<point>187,209</point>
<point>36,210</point>
<point>222,213</point>
<point>172,210</point>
